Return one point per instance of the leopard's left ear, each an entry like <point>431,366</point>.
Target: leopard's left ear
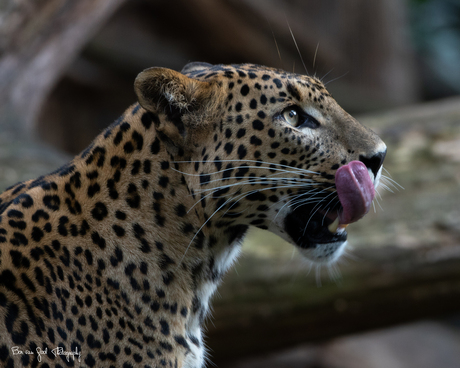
<point>161,89</point>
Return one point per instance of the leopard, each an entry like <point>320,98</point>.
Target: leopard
<point>112,259</point>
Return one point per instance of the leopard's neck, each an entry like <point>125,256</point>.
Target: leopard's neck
<point>139,205</point>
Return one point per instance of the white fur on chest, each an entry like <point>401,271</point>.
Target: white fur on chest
<point>196,356</point>
<point>223,261</point>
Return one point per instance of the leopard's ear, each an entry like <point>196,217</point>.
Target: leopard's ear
<point>161,89</point>
<point>183,100</point>
<point>196,67</point>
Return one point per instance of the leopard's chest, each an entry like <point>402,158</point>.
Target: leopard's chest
<point>200,306</point>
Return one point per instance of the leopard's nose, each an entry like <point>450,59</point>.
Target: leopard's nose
<point>374,162</point>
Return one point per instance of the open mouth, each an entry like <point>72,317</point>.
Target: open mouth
<point>309,226</point>
<point>309,229</point>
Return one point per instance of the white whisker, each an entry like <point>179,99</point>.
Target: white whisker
<point>314,57</point>
<point>194,236</point>
<point>253,181</point>
<point>259,162</point>
<point>391,182</point>
<point>297,47</point>
<point>334,273</point>
<point>318,275</point>
<point>378,203</point>
<point>325,75</point>
<point>343,75</point>
<point>386,187</point>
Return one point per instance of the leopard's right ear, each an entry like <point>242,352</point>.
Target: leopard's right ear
<point>183,100</point>
<point>161,89</point>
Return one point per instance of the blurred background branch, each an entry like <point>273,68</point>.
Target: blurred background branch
<point>38,41</point>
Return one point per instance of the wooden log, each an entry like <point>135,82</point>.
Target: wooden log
<point>260,315</point>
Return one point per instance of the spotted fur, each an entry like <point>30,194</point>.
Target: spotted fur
<point>117,254</point>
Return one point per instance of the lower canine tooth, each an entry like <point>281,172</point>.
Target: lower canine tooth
<point>333,227</point>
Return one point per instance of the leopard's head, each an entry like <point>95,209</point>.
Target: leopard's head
<point>263,147</point>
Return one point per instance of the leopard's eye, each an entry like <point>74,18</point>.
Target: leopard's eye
<point>291,116</point>
<point>298,118</point>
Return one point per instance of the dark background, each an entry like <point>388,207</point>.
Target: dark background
<point>372,55</point>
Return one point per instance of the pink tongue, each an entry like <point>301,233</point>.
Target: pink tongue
<point>355,191</point>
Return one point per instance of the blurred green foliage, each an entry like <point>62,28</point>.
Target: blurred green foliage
<point>435,26</point>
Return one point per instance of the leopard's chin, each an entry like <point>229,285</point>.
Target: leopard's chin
<point>316,234</point>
